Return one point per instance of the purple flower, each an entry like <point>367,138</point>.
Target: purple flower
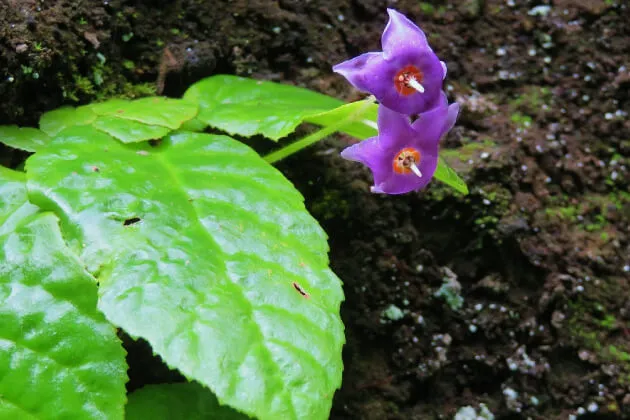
<point>407,76</point>
<point>403,157</point>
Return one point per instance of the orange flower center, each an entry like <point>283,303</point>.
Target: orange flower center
<point>404,78</point>
<point>405,159</point>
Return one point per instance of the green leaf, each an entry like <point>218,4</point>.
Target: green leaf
<point>202,248</point>
<point>362,129</point>
<point>163,112</point>
<point>129,131</point>
<point>185,401</point>
<point>52,122</point>
<point>59,357</point>
<point>23,138</point>
<point>447,175</point>
<point>128,121</point>
<point>14,206</point>
<point>247,107</point>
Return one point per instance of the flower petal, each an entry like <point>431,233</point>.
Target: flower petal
<point>404,183</point>
<point>431,124</point>
<point>401,34</point>
<point>368,73</point>
<point>444,69</point>
<point>429,64</point>
<point>453,112</point>
<point>370,153</point>
<point>393,128</point>
<point>364,151</point>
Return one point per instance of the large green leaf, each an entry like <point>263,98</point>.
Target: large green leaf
<point>27,138</point>
<point>129,121</point>
<point>14,206</point>
<point>206,251</point>
<point>185,401</point>
<point>59,357</point>
<point>247,107</point>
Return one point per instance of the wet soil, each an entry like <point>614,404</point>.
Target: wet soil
<point>515,296</point>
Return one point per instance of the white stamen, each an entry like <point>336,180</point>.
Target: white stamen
<point>370,124</point>
<point>415,170</point>
<point>415,84</point>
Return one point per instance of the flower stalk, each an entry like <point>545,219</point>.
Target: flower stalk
<point>318,135</point>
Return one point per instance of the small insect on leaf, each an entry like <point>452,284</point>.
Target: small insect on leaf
<point>301,290</point>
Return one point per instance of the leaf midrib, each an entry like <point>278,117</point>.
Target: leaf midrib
<point>173,175</point>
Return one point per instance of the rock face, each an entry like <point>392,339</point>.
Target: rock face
<point>540,247</point>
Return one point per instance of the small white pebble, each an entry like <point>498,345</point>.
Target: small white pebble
<point>593,407</point>
<point>472,328</point>
<point>486,202</point>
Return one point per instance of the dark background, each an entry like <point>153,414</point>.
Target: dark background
<point>540,247</point>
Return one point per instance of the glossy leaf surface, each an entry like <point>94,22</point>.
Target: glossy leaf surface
<point>247,107</point>
<point>361,126</point>
<point>59,357</point>
<point>129,121</point>
<point>447,175</point>
<point>23,138</point>
<point>184,401</point>
<point>206,251</point>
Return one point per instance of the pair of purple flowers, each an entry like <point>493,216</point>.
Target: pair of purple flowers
<point>406,78</point>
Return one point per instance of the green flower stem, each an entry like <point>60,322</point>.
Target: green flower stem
<point>320,134</point>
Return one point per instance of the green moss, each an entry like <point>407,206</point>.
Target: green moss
<point>331,205</point>
<point>609,322</point>
<point>590,323</point>
<point>568,214</point>
<point>469,150</point>
<point>618,355</point>
<point>523,121</point>
<point>128,64</point>
<point>103,82</point>
<point>427,8</point>
<point>594,209</point>
<point>532,99</point>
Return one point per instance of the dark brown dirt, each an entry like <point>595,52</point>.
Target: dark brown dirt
<point>540,249</point>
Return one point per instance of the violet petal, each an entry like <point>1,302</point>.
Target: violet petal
<point>401,35</point>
